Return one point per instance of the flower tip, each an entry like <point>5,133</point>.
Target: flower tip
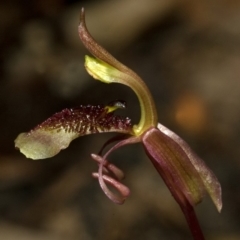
<point>39,145</point>
<point>29,146</point>
<point>218,202</point>
<point>94,157</point>
<point>82,15</point>
<point>219,207</point>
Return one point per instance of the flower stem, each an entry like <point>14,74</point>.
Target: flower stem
<point>185,205</point>
<point>192,220</point>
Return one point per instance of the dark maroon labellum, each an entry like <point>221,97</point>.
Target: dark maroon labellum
<point>86,119</point>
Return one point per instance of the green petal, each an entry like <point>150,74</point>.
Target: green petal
<point>56,133</point>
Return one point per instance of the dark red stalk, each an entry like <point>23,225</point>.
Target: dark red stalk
<point>192,220</point>
<point>183,202</point>
<point>165,156</point>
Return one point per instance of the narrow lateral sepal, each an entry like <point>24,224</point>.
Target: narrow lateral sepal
<point>174,165</point>
<point>210,181</point>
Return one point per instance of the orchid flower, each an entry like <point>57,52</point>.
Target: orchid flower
<point>185,174</point>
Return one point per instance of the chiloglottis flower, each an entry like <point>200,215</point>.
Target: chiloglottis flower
<point>185,174</point>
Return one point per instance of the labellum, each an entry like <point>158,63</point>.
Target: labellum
<point>48,138</point>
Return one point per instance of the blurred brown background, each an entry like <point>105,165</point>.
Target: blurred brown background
<point>188,52</point>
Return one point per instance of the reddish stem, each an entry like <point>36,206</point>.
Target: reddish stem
<point>181,199</point>
<point>192,220</point>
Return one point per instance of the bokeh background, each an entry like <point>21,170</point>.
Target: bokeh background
<point>188,52</point>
